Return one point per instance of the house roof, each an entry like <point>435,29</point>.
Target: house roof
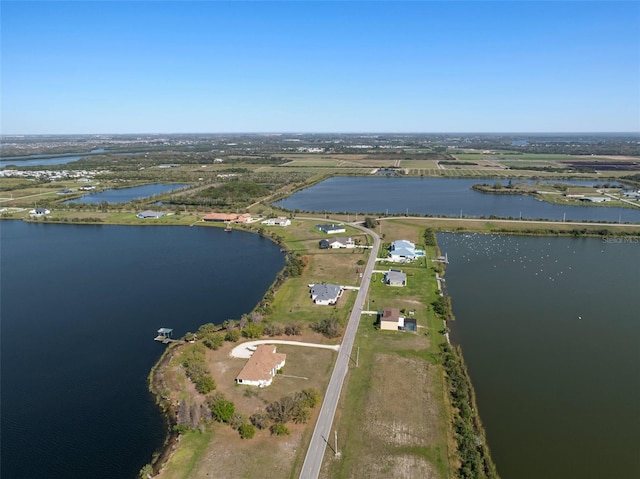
<point>329,228</point>
<point>395,276</point>
<point>390,314</point>
<point>261,363</point>
<point>220,217</point>
<point>150,214</point>
<point>403,244</point>
<point>325,292</point>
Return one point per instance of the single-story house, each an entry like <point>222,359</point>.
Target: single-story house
<point>402,251</point>
<point>38,212</point>
<point>335,243</point>
<point>262,366</point>
<point>390,320</point>
<point>66,191</point>
<point>331,229</point>
<point>228,217</point>
<point>279,221</point>
<point>149,214</point>
<point>326,294</point>
<point>87,188</point>
<point>395,277</point>
<point>595,199</point>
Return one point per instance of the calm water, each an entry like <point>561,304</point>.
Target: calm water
<point>550,330</point>
<point>124,195</point>
<point>439,197</point>
<point>80,307</point>
<point>38,160</point>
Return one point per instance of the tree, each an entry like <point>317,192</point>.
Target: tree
<point>308,397</point>
<point>273,329</point>
<point>370,222</point>
<point>237,419</point>
<point>213,341</point>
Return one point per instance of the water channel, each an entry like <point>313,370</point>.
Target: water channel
<point>550,331</point>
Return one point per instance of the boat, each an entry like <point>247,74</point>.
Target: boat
<point>228,228</point>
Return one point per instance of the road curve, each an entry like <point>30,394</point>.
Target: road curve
<point>318,444</point>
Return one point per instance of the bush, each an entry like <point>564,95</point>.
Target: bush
<point>259,420</point>
<point>205,384</point>
<point>279,429</point>
<point>233,335</point>
<point>329,327</point>
<point>247,431</point>
<point>273,329</point>
<point>237,420</point>
<point>222,410</point>
<point>213,341</point>
<point>293,329</point>
<point>253,330</point>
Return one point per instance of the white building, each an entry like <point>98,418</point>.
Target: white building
<point>279,221</point>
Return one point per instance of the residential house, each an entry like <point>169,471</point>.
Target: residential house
<point>402,251</point>
<point>395,277</point>
<point>39,212</point>
<point>595,199</point>
<point>390,320</point>
<point>336,243</point>
<point>149,214</point>
<point>279,221</point>
<point>331,229</point>
<point>262,366</point>
<point>228,217</point>
<point>326,294</point>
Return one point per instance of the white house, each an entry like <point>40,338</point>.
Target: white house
<point>39,212</point>
<point>279,221</point>
<point>150,214</point>
<point>402,251</point>
<point>262,366</point>
<point>325,293</point>
<point>335,243</point>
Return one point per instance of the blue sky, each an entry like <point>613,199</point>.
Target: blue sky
<point>456,66</point>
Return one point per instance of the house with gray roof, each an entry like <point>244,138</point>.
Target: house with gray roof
<point>150,214</point>
<point>331,229</point>
<point>325,293</point>
<point>395,277</point>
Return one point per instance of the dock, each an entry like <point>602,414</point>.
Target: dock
<point>164,336</point>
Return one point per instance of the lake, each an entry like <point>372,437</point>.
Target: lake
<point>49,160</point>
<point>125,195</point>
<point>550,333</point>
<point>81,305</point>
<point>439,197</point>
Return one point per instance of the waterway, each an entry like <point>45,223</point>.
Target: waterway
<point>550,333</point>
<point>440,197</point>
<point>81,305</point>
<point>124,195</point>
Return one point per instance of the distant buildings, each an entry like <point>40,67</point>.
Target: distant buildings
<point>228,217</point>
<point>39,212</point>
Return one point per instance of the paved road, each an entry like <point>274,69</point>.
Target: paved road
<point>321,433</point>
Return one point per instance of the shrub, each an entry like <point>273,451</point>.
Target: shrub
<point>329,327</point>
<point>273,329</point>
<point>247,431</point>
<point>293,329</point>
<point>222,410</point>
<point>259,420</point>
<point>232,335</point>
<point>213,341</point>
<point>237,419</point>
<point>279,429</point>
<point>253,330</point>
